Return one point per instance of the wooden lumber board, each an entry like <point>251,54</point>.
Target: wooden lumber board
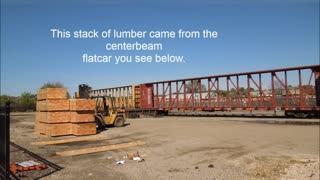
<point>40,128</point>
<point>100,149</point>
<point>65,116</point>
<point>53,117</point>
<point>37,127</point>
<point>68,140</point>
<point>40,135</point>
<point>60,129</point>
<point>52,93</point>
<point>80,129</point>
<point>37,117</point>
<point>82,104</point>
<point>56,129</point>
<point>81,116</point>
<point>36,123</point>
<point>53,105</point>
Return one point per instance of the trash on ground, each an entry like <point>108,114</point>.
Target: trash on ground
<point>136,158</point>
<point>131,155</point>
<point>139,159</point>
<point>120,162</point>
<point>26,166</point>
<point>28,163</point>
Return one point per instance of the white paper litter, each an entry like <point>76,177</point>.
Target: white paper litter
<point>28,163</point>
<point>136,159</point>
<point>120,162</point>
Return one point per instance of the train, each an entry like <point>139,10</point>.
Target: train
<point>294,90</point>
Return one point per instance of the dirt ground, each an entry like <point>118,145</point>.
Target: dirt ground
<point>186,148</point>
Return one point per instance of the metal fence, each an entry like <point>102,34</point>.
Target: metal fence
<point>4,141</point>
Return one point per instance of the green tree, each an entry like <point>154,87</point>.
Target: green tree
<point>27,101</point>
<point>278,87</point>
<point>223,93</point>
<point>54,85</point>
<point>5,98</point>
<point>195,86</point>
<point>233,92</point>
<point>243,91</point>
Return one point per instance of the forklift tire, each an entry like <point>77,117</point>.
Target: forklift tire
<point>119,122</point>
<point>99,124</point>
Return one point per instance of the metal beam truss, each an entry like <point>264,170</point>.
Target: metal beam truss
<point>292,88</point>
<point>259,90</point>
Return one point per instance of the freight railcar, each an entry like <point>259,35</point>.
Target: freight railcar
<point>295,90</point>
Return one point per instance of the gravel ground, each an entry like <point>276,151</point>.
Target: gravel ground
<point>187,148</point>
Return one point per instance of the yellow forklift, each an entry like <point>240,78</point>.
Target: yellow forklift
<point>105,113</point>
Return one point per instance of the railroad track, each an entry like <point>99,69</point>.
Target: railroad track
<point>227,115</point>
<point>256,118</point>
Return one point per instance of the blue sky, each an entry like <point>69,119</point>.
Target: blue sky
<point>252,36</point>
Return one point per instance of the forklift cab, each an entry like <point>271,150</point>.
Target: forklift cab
<point>102,105</point>
<point>107,114</point>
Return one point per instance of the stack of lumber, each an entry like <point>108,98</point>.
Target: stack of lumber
<point>82,116</point>
<point>56,115</point>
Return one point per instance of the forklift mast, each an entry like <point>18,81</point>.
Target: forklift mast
<point>84,91</point>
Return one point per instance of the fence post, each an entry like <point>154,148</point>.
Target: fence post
<point>5,141</point>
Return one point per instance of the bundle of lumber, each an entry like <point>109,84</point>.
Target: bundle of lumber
<point>56,115</point>
<point>82,116</point>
